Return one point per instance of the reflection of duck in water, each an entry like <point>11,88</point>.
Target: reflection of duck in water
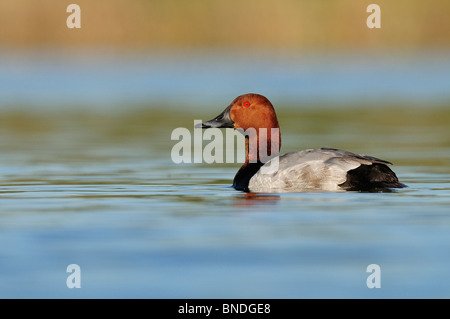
<point>250,199</point>
<point>324,169</point>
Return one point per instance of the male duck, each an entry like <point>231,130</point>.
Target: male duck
<point>324,169</point>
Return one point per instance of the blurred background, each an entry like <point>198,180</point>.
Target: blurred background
<point>234,25</point>
<point>86,117</point>
<point>121,76</point>
<point>207,52</point>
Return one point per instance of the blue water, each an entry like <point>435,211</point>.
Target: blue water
<point>184,236</point>
<point>98,188</point>
<point>103,79</point>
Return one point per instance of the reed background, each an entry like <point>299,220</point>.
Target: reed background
<point>243,24</point>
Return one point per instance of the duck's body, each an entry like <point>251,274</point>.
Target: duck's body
<point>324,169</point>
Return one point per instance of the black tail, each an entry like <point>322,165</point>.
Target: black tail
<point>371,178</point>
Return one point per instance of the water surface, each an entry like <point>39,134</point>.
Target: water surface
<point>99,189</point>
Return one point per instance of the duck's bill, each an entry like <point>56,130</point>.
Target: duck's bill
<point>221,120</point>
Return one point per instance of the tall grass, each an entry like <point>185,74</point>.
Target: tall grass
<point>233,24</point>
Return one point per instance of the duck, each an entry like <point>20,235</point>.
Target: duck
<point>321,169</point>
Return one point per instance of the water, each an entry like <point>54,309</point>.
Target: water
<point>104,79</point>
<point>98,189</point>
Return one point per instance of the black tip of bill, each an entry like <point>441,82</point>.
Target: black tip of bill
<point>222,120</point>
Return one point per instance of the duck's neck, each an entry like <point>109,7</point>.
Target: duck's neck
<point>244,174</point>
<point>257,156</point>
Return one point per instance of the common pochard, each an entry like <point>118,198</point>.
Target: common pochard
<point>323,169</point>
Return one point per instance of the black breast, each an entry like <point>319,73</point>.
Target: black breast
<point>244,174</point>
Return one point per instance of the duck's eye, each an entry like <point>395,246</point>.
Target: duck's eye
<point>246,104</point>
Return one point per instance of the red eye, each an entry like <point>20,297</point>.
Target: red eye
<point>246,104</point>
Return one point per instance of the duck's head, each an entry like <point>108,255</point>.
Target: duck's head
<point>246,111</point>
